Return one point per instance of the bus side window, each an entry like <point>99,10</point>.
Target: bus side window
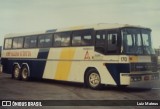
<point>40,41</point>
<point>100,42</point>
<point>62,39</point>
<point>33,42</point>
<point>26,42</point>
<point>8,43</point>
<point>65,39</point>
<point>82,37</point>
<point>87,39</point>
<point>48,40</point>
<point>45,40</point>
<point>112,43</point>
<point>18,42</point>
<point>57,40</point>
<point>76,40</point>
<point>30,42</point>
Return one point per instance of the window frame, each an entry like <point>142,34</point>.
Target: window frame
<point>44,37</point>
<point>118,42</point>
<point>82,33</point>
<point>99,48</point>
<point>61,35</point>
<point>4,45</point>
<point>17,42</point>
<point>30,38</point>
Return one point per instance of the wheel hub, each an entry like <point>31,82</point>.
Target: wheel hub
<point>16,72</point>
<point>24,73</point>
<point>94,79</point>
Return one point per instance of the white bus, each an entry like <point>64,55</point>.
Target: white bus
<point>96,55</point>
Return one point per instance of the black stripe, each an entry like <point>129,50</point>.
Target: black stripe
<point>43,53</point>
<point>39,66</point>
<point>116,69</point>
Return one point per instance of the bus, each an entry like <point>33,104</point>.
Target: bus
<point>96,55</point>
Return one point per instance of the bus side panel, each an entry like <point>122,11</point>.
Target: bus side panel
<point>38,65</point>
<point>36,61</point>
<point>70,64</point>
<point>36,68</point>
<point>78,71</point>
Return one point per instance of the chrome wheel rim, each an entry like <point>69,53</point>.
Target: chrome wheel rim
<point>16,72</point>
<point>24,73</point>
<point>94,79</point>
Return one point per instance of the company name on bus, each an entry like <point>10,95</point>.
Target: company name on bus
<point>18,53</point>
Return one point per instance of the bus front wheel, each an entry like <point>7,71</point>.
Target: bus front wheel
<point>25,73</point>
<point>16,72</point>
<point>93,79</point>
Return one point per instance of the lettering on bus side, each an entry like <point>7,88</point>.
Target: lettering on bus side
<point>21,53</point>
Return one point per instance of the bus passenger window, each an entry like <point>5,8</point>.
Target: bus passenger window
<point>18,42</point>
<point>57,40</point>
<point>45,40</point>
<point>76,40</point>
<point>8,43</point>
<point>112,43</point>
<point>33,41</point>
<point>26,42</point>
<point>87,40</point>
<point>82,37</point>
<point>100,42</point>
<point>30,42</point>
<point>48,40</point>
<point>40,41</point>
<point>62,39</point>
<point>65,41</point>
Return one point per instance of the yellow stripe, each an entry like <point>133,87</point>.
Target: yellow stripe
<point>63,67</point>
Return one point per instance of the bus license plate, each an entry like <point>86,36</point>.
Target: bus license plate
<point>146,78</point>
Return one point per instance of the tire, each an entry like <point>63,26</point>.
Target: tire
<point>93,79</point>
<point>16,73</point>
<point>25,73</point>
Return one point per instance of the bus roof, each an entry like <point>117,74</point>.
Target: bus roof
<point>99,26</point>
<point>24,34</point>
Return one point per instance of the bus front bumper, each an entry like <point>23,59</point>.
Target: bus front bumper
<point>139,79</point>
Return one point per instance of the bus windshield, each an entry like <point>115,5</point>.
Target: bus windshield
<point>137,41</point>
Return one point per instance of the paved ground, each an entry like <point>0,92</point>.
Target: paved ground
<point>52,90</point>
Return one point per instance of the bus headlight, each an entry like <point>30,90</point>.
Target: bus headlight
<point>155,76</point>
<point>137,78</point>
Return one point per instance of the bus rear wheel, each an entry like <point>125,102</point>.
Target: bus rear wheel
<point>16,72</point>
<point>25,73</point>
<point>93,79</point>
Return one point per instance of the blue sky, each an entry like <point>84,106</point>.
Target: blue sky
<point>21,16</point>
